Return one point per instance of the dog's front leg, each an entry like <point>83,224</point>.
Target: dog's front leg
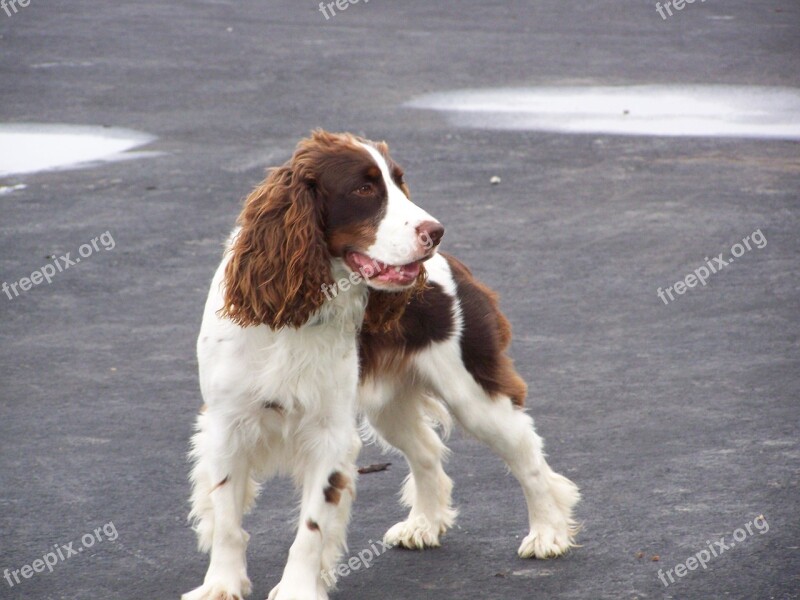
<point>327,471</point>
<point>222,485</point>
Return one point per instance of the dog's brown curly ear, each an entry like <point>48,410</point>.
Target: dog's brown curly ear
<point>279,260</point>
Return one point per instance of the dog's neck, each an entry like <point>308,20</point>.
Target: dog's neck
<point>345,300</point>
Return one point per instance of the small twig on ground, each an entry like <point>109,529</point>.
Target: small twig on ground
<point>374,468</point>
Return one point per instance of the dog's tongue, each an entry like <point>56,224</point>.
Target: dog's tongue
<point>400,275</point>
<point>375,269</point>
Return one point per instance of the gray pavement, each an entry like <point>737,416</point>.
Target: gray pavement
<point>679,422</point>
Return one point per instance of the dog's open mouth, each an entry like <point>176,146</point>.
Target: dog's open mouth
<point>374,270</point>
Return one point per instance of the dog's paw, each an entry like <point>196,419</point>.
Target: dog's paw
<point>548,541</point>
<point>285,593</point>
<point>220,591</point>
<point>414,533</point>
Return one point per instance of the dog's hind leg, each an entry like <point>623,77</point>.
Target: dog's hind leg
<point>505,427</point>
<point>550,496</point>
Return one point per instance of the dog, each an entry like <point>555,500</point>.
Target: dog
<point>331,301</point>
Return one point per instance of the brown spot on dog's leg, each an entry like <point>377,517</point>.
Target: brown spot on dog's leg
<point>274,406</point>
<point>337,482</point>
<point>312,525</point>
<point>204,409</point>
<point>332,495</point>
<point>220,484</point>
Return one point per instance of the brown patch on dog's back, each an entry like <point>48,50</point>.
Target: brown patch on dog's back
<point>486,336</point>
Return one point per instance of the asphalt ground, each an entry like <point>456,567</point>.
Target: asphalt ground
<point>679,422</point>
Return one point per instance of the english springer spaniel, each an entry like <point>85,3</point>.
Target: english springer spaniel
<point>321,308</point>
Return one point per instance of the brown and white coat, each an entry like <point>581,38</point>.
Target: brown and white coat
<point>331,299</point>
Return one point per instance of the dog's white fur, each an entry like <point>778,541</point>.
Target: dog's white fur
<point>285,401</point>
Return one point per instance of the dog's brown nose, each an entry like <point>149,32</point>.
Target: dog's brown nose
<point>430,233</point>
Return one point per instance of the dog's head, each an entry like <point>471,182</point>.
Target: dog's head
<point>339,198</point>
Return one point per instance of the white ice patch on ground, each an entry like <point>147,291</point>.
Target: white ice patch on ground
<point>29,148</point>
<point>7,189</point>
<point>658,110</point>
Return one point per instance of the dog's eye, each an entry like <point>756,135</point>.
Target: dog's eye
<point>366,190</point>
